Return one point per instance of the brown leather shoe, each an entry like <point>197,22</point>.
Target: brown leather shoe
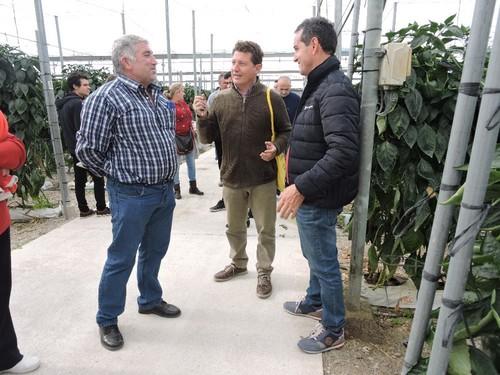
<point>264,286</point>
<point>229,272</point>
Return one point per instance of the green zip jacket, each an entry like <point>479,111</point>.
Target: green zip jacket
<point>245,126</point>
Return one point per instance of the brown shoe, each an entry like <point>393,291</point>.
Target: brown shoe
<point>264,286</point>
<point>229,272</point>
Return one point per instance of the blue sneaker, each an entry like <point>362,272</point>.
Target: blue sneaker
<point>299,308</point>
<point>321,340</point>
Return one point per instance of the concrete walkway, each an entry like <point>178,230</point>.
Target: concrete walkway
<point>224,328</point>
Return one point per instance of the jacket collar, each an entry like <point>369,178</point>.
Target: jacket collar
<point>250,91</point>
<point>318,73</point>
<point>316,76</point>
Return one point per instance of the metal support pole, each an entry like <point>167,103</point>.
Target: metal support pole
<point>318,7</point>
<point>338,28</point>
<point>314,11</point>
<point>457,150</point>
<point>483,152</point>
<point>124,31</point>
<point>15,24</point>
<point>61,57</point>
<point>169,62</point>
<point>394,15</point>
<point>201,82</point>
<point>48,92</point>
<point>194,56</point>
<point>371,63</point>
<point>354,38</point>
<point>211,62</point>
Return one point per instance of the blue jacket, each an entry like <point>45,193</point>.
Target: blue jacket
<point>292,101</point>
<point>324,153</point>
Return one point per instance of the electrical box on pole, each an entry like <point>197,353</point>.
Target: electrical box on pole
<point>396,64</point>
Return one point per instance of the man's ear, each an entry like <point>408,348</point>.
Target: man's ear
<point>125,62</point>
<point>258,67</point>
<point>315,45</point>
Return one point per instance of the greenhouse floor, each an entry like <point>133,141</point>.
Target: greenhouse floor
<point>224,328</point>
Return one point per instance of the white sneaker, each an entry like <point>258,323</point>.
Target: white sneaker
<point>25,365</point>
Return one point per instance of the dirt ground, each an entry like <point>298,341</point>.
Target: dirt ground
<point>374,343</point>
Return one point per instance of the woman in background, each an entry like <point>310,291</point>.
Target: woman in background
<point>183,127</point>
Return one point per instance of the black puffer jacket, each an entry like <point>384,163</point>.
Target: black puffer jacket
<point>323,159</point>
<point>69,108</point>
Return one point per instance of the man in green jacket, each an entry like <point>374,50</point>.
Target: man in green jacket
<point>248,170</point>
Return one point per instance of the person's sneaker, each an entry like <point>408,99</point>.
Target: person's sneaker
<point>25,365</point>
<point>321,340</point>
<point>104,211</point>
<point>264,286</point>
<point>229,272</point>
<point>218,207</point>
<point>299,308</point>
<point>89,212</point>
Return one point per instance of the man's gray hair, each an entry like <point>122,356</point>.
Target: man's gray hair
<point>124,47</point>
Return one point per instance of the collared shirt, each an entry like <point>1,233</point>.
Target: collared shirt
<point>128,134</point>
<point>247,92</point>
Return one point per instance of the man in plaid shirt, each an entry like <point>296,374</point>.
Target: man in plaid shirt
<point>128,135</point>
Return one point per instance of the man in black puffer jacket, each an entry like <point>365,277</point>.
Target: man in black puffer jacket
<point>323,167</point>
<point>69,109</point>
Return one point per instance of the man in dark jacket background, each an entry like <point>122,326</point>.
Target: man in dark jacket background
<point>323,163</point>
<point>69,108</point>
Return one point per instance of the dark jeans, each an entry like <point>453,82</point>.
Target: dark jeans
<point>81,180</point>
<point>9,353</point>
<point>318,242</point>
<point>141,216</point>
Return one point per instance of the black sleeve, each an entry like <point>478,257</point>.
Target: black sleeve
<point>339,112</point>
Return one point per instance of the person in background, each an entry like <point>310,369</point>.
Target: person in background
<point>128,135</point>
<point>242,116</point>
<point>323,170</point>
<point>224,83</point>
<point>184,126</point>
<point>12,156</point>
<point>69,109</point>
<point>291,99</point>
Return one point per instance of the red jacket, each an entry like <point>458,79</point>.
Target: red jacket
<point>12,156</point>
<point>183,118</point>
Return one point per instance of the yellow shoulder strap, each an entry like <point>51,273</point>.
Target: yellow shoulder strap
<point>268,96</point>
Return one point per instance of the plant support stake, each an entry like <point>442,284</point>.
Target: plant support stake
<point>354,38</point>
<point>457,149</point>
<point>483,150</point>
<point>48,92</point>
<point>371,64</point>
<point>169,56</point>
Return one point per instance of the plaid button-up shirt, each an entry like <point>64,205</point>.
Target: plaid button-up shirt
<point>127,134</point>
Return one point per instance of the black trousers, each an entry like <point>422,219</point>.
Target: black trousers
<point>218,150</point>
<point>81,180</point>
<point>9,353</point>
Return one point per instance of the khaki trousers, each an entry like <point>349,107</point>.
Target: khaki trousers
<point>261,199</point>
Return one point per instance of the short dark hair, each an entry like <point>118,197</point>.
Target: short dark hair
<point>320,28</point>
<point>227,75</point>
<point>250,47</point>
<point>74,79</point>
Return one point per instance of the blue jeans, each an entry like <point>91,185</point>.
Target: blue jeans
<point>190,166</point>
<point>318,241</point>
<point>141,216</point>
